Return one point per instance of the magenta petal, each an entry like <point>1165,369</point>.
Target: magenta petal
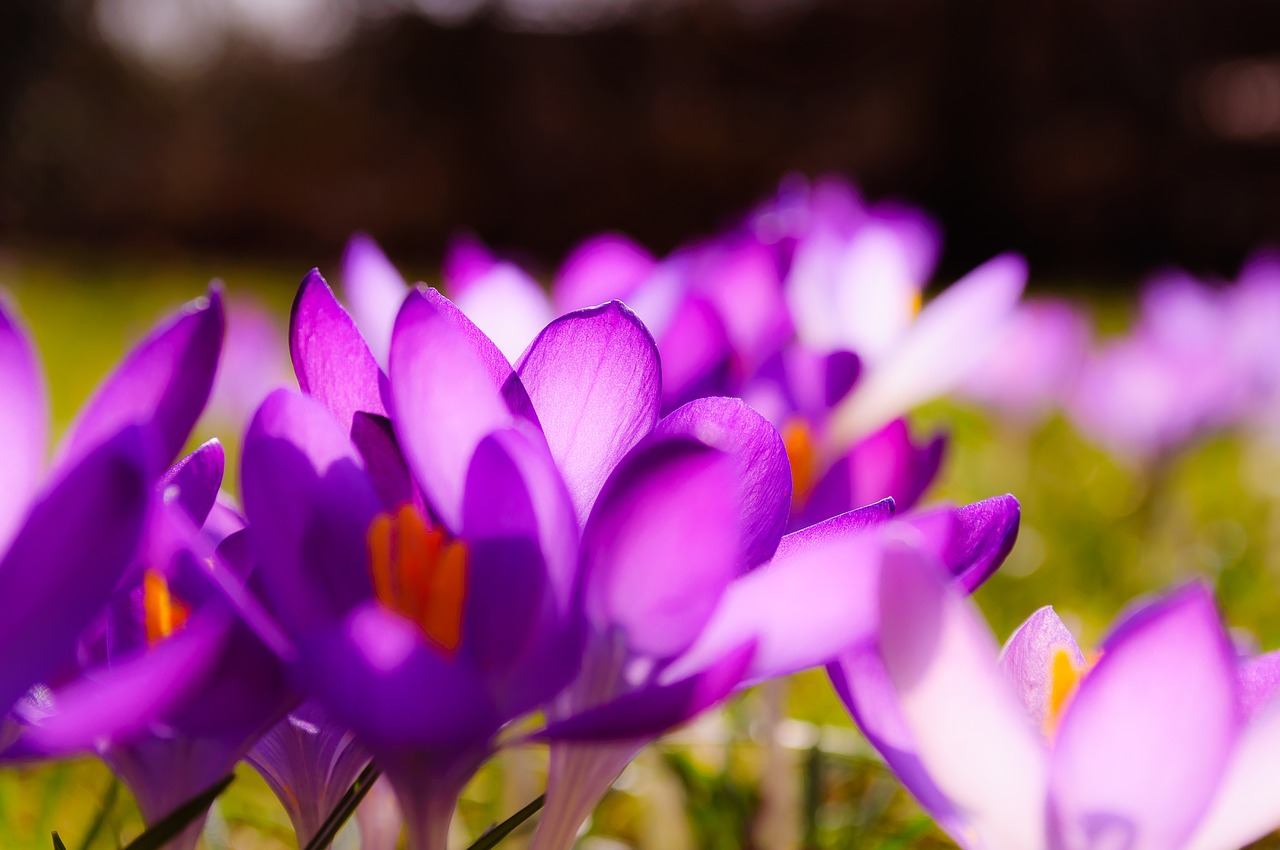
<point>661,545</point>
<point>55,581</point>
<point>193,482</point>
<point>972,541</point>
<point>375,290</point>
<point>119,701</point>
<point>1143,744</point>
<point>764,473</point>
<point>332,360</point>
<point>594,378</point>
<point>654,709</point>
<point>24,423</point>
<point>449,388</point>
<point>376,673</point>
<point>600,269</point>
<point>1259,679</point>
<point>162,385</point>
<point>835,529</point>
<point>1028,659</point>
<point>309,504</point>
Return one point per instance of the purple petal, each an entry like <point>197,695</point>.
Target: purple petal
<point>332,360</point>
<point>24,423</point>
<point>972,541</point>
<point>654,709</point>
<point>764,473</point>
<point>835,529</point>
<point>1259,680</point>
<point>968,726</point>
<point>309,504</point>
<point>594,378</point>
<point>816,598</point>
<point>55,581</point>
<point>1166,678</point>
<point>519,623</point>
<point>375,291</point>
<point>193,482</point>
<point>508,306</point>
<point>600,269</point>
<point>860,678</point>
<point>1028,659</point>
<point>162,385</point>
<point>375,438</point>
<point>447,388</point>
<point>696,353</point>
<point>741,280</point>
<point>376,673</point>
<point>661,545</point>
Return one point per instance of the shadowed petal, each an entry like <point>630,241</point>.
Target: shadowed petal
<point>162,385</point>
<point>375,290</point>
<point>654,709</point>
<point>969,728</point>
<point>24,423</point>
<point>594,378</point>
<point>764,473</point>
<point>73,549</point>
<point>332,360</point>
<point>1166,679</point>
<point>193,482</point>
<point>661,545</point>
<point>309,504</point>
<point>449,387</point>
<point>374,437</point>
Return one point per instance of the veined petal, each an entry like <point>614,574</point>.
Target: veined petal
<point>662,545</point>
<point>970,731</point>
<point>309,504</point>
<point>594,378</point>
<point>653,709</point>
<point>375,291</point>
<point>332,361</point>
<point>758,453</point>
<point>947,340</point>
<point>1028,660</point>
<point>24,423</point>
<point>1166,675</point>
<point>162,385</point>
<point>450,386</point>
<point>55,581</point>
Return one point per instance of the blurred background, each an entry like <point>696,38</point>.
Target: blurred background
<point>147,146</point>
<point>1100,138</point>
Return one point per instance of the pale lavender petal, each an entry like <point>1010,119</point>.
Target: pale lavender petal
<point>595,381</point>
<point>24,423</point>
<point>764,473</point>
<point>696,353</point>
<point>508,306</point>
<point>1259,679</point>
<point>970,730</point>
<point>1247,805</point>
<point>741,280</point>
<point>602,268</point>
<point>945,342</point>
<point>447,391</point>
<point>331,359</point>
<point>374,290</point>
<point>662,545</point>
<point>1028,660</point>
<point>1166,680</point>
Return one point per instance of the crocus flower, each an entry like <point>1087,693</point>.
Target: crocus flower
<point>68,536</point>
<point>1154,741</point>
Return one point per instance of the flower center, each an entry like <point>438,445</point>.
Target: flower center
<point>163,614</point>
<point>1065,676</point>
<point>419,574</point>
<point>803,455</point>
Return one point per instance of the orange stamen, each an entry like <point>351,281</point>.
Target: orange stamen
<point>419,574</point>
<point>803,454</point>
<point>1065,676</point>
<point>162,613</point>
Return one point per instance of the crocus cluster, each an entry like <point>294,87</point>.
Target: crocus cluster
<point>576,519</point>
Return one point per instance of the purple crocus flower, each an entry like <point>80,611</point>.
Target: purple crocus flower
<point>98,487</point>
<point>309,761</point>
<point>1155,741</point>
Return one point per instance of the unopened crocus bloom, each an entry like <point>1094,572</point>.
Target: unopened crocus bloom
<point>1153,741</point>
<point>69,534</point>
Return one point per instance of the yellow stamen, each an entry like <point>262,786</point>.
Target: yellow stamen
<point>917,301</point>
<point>162,613</point>
<point>803,454</point>
<point>419,574</point>
<point>1065,676</point>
